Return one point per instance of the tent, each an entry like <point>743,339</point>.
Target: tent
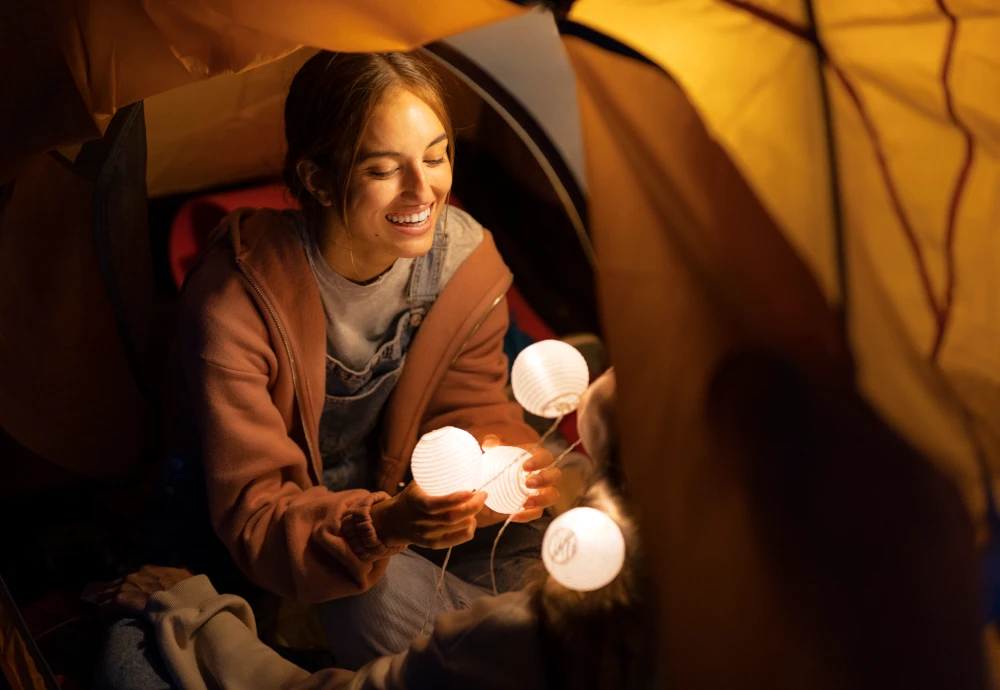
<point>817,179</point>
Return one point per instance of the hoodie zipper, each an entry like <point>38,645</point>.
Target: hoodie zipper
<point>291,360</point>
<point>482,319</point>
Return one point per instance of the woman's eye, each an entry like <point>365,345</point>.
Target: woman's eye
<point>436,161</point>
<point>381,174</point>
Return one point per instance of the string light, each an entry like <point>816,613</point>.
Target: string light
<point>549,377</point>
<point>583,549</point>
<point>506,491</point>
<point>447,460</point>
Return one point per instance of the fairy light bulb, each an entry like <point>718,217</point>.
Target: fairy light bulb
<point>583,549</point>
<point>447,460</point>
<point>549,377</point>
<point>505,490</point>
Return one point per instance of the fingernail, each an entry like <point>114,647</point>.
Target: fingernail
<point>532,482</point>
<point>530,503</point>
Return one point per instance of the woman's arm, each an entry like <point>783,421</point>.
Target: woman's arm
<point>296,539</point>
<point>471,394</point>
<point>210,640</point>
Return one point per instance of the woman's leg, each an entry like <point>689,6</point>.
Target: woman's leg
<point>517,561</point>
<point>131,659</point>
<point>387,617</point>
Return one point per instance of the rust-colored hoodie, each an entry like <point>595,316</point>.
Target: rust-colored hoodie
<point>252,346</point>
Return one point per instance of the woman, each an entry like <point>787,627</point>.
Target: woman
<point>316,346</point>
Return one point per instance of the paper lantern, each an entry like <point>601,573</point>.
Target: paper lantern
<point>549,377</point>
<point>447,460</point>
<point>505,490</point>
<point>583,549</point>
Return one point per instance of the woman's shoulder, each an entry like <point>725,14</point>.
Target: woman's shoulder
<point>465,234</point>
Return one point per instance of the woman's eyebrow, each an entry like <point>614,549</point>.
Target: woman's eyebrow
<point>368,155</point>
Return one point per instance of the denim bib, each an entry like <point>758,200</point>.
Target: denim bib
<point>348,438</point>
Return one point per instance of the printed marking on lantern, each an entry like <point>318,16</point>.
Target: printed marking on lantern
<point>562,546</point>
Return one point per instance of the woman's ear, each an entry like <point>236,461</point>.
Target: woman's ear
<point>314,180</point>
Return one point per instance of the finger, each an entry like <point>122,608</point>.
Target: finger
<point>131,602</point>
<point>491,441</point>
<point>540,458</point>
<point>457,537</point>
<point>550,476</point>
<point>442,504</point>
<point>527,515</point>
<point>543,498</point>
<point>455,515</point>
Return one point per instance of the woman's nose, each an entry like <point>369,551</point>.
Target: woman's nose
<point>416,183</point>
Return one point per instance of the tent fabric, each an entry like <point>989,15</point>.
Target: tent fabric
<point>85,59</point>
<point>914,100</point>
<point>742,564</point>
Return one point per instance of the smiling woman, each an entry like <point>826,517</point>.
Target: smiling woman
<point>369,157</point>
<point>316,346</point>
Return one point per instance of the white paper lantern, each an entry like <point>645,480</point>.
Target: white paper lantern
<point>583,549</point>
<point>447,460</point>
<point>505,492</point>
<point>549,377</point>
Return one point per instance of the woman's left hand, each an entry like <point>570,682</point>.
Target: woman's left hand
<point>544,481</point>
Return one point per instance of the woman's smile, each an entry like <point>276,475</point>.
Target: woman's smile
<point>413,222</point>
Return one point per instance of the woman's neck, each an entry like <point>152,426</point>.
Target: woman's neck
<point>350,258</point>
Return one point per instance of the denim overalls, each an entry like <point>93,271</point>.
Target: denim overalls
<point>348,438</point>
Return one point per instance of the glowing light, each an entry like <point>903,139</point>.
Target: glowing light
<point>583,549</point>
<point>505,492</point>
<point>549,377</point>
<point>447,460</point>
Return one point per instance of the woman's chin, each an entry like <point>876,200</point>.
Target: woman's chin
<point>410,247</point>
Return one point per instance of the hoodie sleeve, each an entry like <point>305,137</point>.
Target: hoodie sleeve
<point>471,394</point>
<point>294,538</point>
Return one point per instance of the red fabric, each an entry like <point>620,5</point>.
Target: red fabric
<point>200,215</point>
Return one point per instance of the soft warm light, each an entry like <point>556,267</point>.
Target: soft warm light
<point>549,377</point>
<point>447,460</point>
<point>583,549</point>
<point>505,492</point>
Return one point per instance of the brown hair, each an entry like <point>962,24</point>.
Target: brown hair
<point>329,105</point>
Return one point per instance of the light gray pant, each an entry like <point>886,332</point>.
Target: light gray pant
<point>387,617</point>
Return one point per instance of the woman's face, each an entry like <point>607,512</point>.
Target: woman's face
<point>399,183</point>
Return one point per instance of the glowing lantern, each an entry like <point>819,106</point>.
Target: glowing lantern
<point>447,460</point>
<point>505,492</point>
<point>549,377</point>
<point>583,549</point>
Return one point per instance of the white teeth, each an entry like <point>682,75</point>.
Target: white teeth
<point>410,217</point>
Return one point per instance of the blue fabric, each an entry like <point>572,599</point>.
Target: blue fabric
<point>131,659</point>
<point>386,618</point>
<point>514,340</point>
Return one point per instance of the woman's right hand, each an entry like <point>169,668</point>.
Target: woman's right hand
<point>435,522</point>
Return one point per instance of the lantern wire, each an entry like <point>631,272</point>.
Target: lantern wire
<point>437,591</point>
<point>444,566</point>
<point>493,552</point>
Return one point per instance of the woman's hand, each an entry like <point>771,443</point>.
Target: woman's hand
<point>434,522</point>
<point>544,482</point>
<point>130,594</point>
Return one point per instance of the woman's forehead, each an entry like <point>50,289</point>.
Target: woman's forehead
<point>402,120</point>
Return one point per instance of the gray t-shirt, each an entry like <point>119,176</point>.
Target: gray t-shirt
<point>358,317</point>
<point>369,329</point>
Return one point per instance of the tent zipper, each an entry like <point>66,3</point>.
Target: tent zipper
<point>291,360</point>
